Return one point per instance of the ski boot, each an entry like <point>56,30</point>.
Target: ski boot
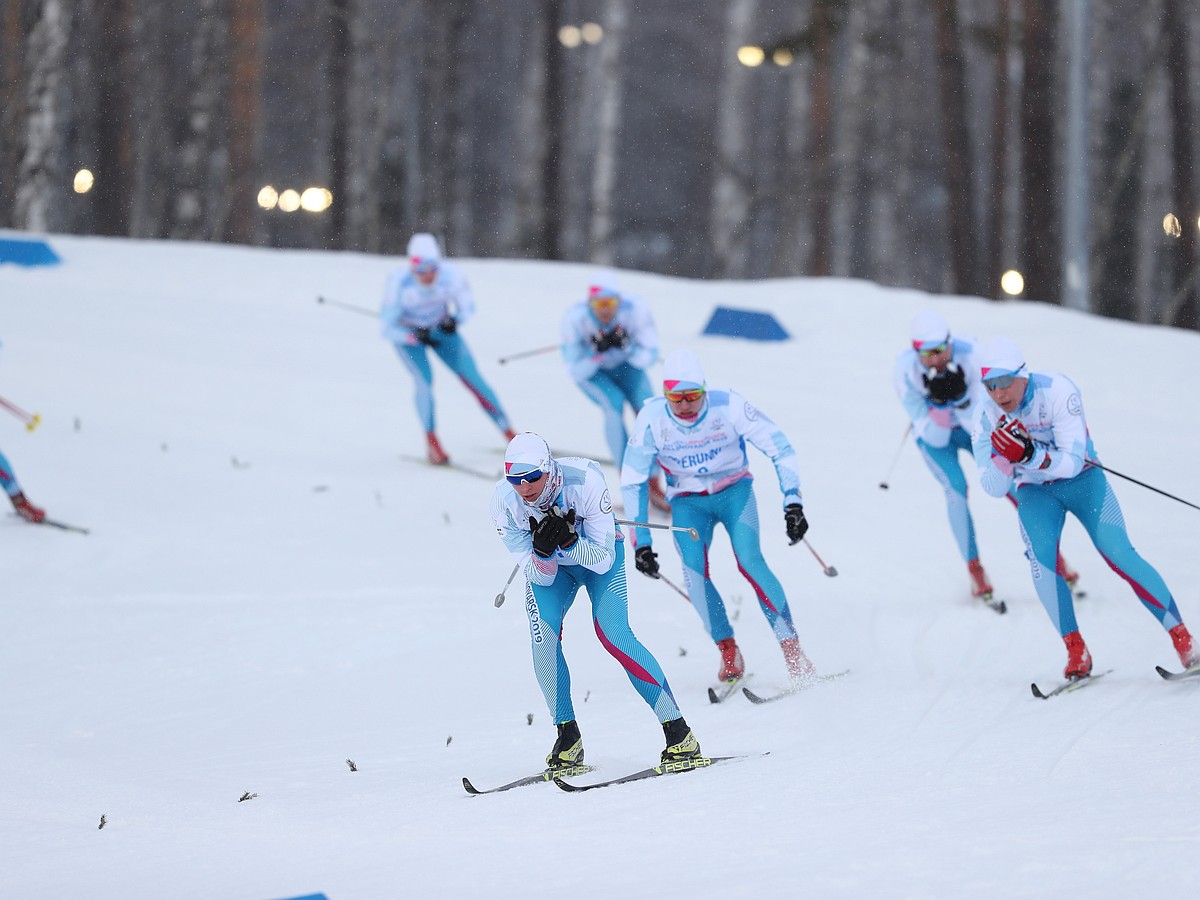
<point>732,667</point>
<point>434,452</point>
<point>1079,660</point>
<point>27,510</point>
<point>1182,638</point>
<point>568,748</point>
<point>980,586</point>
<point>682,746</point>
<point>799,667</point>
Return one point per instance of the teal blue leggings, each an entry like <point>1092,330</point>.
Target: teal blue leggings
<point>547,606</point>
<point>453,351</point>
<point>1043,510</point>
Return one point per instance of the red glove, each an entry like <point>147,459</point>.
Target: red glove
<point>1012,441</point>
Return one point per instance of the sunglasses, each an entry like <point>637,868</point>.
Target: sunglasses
<point>425,267</point>
<point>691,395</point>
<point>933,351</point>
<point>605,302</point>
<point>999,383</point>
<point>527,477</point>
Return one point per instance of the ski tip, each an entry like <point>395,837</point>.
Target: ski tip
<point>712,696</point>
<point>753,697</point>
<point>1163,672</point>
<point>470,788</point>
<point>566,786</point>
<point>1037,692</point>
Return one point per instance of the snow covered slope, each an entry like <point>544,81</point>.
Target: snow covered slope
<point>271,588</point>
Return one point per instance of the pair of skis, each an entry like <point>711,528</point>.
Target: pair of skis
<point>1074,684</point>
<point>727,689</point>
<point>557,775</point>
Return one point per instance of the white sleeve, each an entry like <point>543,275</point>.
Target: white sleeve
<point>391,312</point>
<point>464,299</point>
<point>914,399</point>
<point>764,434</point>
<point>578,353</point>
<point>596,548</point>
<point>644,337</point>
<point>995,472</point>
<point>519,540</point>
<point>640,454</point>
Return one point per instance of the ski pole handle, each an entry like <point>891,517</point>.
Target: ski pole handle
<point>350,307</point>
<point>30,419</point>
<point>690,532</point>
<point>525,353</point>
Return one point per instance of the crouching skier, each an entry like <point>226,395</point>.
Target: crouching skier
<point>555,517</point>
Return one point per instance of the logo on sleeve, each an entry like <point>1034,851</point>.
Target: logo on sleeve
<point>606,502</point>
<point>751,413</point>
<point>1075,405</point>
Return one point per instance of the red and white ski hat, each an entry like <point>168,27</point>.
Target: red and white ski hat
<point>682,372</point>
<point>1000,357</point>
<point>929,330</point>
<point>603,284</point>
<point>423,251</point>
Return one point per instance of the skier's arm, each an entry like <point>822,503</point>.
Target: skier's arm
<point>767,437</point>
<point>578,353</point>
<point>518,540</point>
<point>640,454</point>
<point>596,548</point>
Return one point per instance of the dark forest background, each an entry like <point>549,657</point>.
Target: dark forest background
<point>916,143</point>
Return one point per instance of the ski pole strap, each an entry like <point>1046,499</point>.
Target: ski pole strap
<point>1092,462</point>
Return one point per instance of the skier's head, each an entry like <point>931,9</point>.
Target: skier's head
<point>424,257</point>
<point>683,385</point>
<point>931,339</point>
<point>604,297</point>
<point>1002,370</point>
<point>532,470</point>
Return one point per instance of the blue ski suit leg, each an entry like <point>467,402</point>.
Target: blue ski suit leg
<point>455,353</point>
<point>8,481</point>
<point>1088,496</point>
<point>943,463</point>
<point>736,509</point>
<point>546,607</point>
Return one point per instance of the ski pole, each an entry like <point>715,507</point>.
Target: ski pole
<point>884,484</point>
<point>829,570</point>
<point>30,419</point>
<point>361,310</point>
<point>669,583</point>
<point>690,532</point>
<point>500,596</point>
<point>1092,462</point>
<point>525,353</point>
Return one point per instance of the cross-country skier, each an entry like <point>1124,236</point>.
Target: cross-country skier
<point>1032,433</point>
<point>937,380</point>
<point>609,340</point>
<point>8,481</point>
<point>699,438</point>
<point>555,516</point>
<point>424,304</point>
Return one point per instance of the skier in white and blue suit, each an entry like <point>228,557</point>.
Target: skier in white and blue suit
<point>556,518</point>
<point>699,438</point>
<point>424,304</point>
<point>1032,433</point>
<point>608,341</point>
<point>937,380</point>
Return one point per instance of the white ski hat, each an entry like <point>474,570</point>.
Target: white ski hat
<point>423,247</point>
<point>682,371</point>
<point>1001,356</point>
<point>929,330</point>
<point>527,453</point>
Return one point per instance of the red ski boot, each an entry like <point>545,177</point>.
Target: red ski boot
<point>1079,661</point>
<point>798,665</point>
<point>732,666</point>
<point>509,434</point>
<point>434,452</point>
<point>31,513</point>
<point>1182,638</point>
<point>980,586</point>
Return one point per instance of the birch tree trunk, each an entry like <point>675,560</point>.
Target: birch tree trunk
<point>731,196</point>
<point>604,174</point>
<point>1041,241</point>
<point>41,181</point>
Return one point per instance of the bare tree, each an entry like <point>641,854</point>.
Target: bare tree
<point>245,100</point>
<point>995,217</point>
<point>341,15</point>
<point>12,102</point>
<point>40,191</point>
<point>114,123</point>
<point>959,171</point>
<point>604,176</point>
<point>821,161</point>
<point>1182,311</point>
<point>732,179</point>
<point>553,118</point>
<point>1041,241</point>
<point>203,153</point>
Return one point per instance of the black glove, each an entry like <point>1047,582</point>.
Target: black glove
<point>946,387</point>
<point>797,525</point>
<point>554,531</point>
<point>448,325</point>
<point>423,336</point>
<point>609,340</point>
<point>646,561</point>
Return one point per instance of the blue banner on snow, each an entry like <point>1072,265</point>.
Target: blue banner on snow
<point>742,323</point>
<point>308,897</point>
<point>27,253</point>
